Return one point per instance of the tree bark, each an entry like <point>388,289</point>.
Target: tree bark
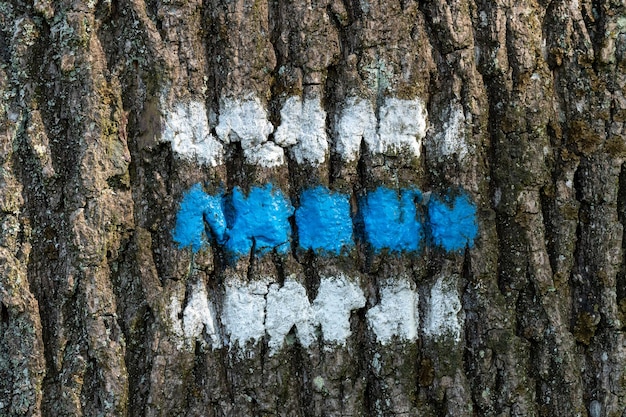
<point>112,110</point>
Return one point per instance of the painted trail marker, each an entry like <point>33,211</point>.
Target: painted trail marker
<point>196,208</point>
<point>323,221</point>
<point>259,220</point>
<point>253,310</point>
<point>393,220</point>
<point>452,226</point>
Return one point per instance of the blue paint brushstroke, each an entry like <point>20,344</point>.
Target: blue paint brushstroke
<point>390,220</point>
<point>453,227</point>
<point>323,221</point>
<point>261,218</point>
<point>196,208</point>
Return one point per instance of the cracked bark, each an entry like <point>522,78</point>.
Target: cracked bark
<point>88,197</point>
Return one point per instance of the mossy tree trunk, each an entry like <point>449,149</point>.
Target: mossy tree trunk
<point>524,104</point>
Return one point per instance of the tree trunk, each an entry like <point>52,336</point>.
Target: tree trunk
<point>298,208</point>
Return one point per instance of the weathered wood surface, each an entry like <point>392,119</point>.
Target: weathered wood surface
<point>103,105</point>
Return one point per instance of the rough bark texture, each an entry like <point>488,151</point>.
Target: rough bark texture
<point>90,276</point>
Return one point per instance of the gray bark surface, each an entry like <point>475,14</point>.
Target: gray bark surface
<point>89,195</point>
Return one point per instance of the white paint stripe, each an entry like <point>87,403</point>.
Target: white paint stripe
<point>187,129</point>
<point>243,314</point>
<point>245,318</point>
<point>355,121</point>
<point>336,298</point>
<point>288,306</point>
<point>451,139</point>
<point>266,154</point>
<point>252,310</point>
<point>397,314</point>
<point>199,315</point>
<point>246,121</point>
<point>303,126</point>
<point>402,125</point>
<point>444,311</point>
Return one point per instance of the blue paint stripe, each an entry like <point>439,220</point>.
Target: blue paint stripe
<point>453,226</point>
<point>196,208</point>
<point>390,220</point>
<point>260,220</point>
<point>323,221</point>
